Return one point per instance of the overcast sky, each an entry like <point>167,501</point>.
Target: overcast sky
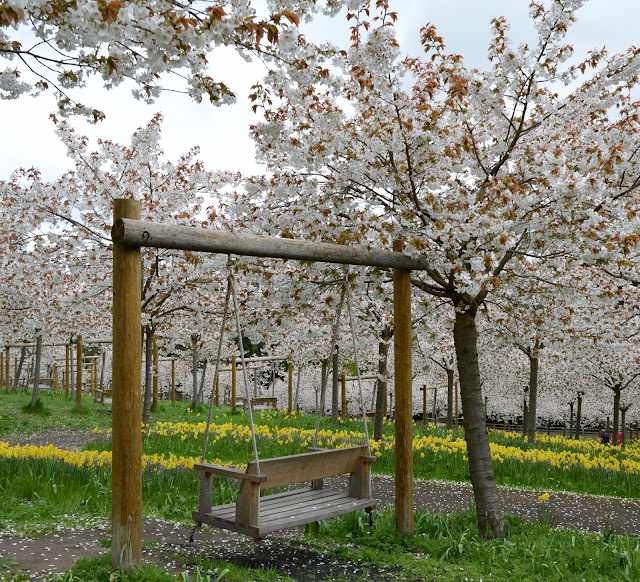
<point>222,132</point>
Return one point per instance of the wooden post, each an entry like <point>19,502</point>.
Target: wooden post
<point>7,371</point>
<point>79,371</point>
<point>218,389</point>
<point>126,494</point>
<point>456,388</point>
<point>173,381</point>
<point>403,378</point>
<point>2,382</point>
<point>67,383</point>
<point>54,386</point>
<point>155,373</point>
<point>290,387</point>
<point>233,383</point>
<point>435,394</point>
<point>424,404</point>
<point>343,388</point>
<point>335,378</point>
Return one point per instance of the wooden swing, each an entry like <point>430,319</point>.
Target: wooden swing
<point>255,515</point>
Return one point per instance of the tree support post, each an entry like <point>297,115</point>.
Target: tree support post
<point>7,370</point>
<point>126,510</point>
<point>67,363</point>
<point>233,383</point>
<point>173,381</point>
<point>343,392</point>
<point>79,371</point>
<point>155,373</point>
<point>290,386</point>
<point>403,378</point>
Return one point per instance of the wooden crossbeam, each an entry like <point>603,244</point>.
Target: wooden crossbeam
<point>138,233</point>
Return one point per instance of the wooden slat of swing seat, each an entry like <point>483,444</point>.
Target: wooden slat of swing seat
<point>285,510</point>
<point>257,515</point>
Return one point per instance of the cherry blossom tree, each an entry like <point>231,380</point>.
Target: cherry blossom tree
<point>67,224</point>
<point>57,46</point>
<point>474,169</point>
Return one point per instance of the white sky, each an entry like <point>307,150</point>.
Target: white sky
<point>222,132</point>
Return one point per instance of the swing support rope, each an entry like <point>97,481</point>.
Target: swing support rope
<point>345,295</point>
<point>355,357</point>
<point>231,294</point>
<point>334,341</point>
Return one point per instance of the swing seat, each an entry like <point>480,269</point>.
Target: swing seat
<point>256,516</point>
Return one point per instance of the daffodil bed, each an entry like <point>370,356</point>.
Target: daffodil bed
<point>47,487</point>
<point>170,449</point>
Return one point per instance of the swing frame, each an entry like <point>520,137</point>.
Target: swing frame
<point>129,234</point>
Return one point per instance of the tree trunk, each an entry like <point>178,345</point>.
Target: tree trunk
<point>323,387</point>
<point>571,420</point>
<point>202,376</point>
<point>533,394</point>
<point>104,358</point>
<point>16,380</point>
<point>623,410</point>
<point>335,387</point>
<point>450,388</point>
<point>71,368</point>
<point>381,384</point>
<point>525,418</point>
<point>36,374</point>
<point>194,368</point>
<point>148,376</point>
<point>491,521</point>
<point>616,415</point>
<point>578,416</point>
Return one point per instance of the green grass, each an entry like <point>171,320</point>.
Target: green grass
<point>40,495</point>
<point>449,548</point>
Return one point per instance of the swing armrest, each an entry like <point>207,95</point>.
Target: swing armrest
<point>229,472</point>
<point>368,458</point>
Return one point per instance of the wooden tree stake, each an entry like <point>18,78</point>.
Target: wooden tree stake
<point>79,371</point>
<point>290,387</point>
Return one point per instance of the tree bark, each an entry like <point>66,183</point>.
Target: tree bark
<point>381,383</point>
<point>450,389</point>
<point>16,380</point>
<point>491,522</point>
<point>578,416</point>
<point>194,364</point>
<point>202,377</point>
<point>533,394</point>
<point>616,415</point>
<point>148,366</point>
<point>335,386</point>
<point>36,374</point>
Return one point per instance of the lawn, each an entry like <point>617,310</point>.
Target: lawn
<point>45,486</point>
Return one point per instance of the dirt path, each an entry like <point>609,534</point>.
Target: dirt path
<point>45,555</point>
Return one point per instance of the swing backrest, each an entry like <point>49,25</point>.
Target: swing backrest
<point>309,466</point>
